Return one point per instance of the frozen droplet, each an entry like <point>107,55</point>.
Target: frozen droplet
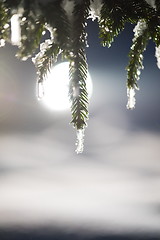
<point>80,140</point>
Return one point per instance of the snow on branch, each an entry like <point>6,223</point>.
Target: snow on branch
<point>95,9</point>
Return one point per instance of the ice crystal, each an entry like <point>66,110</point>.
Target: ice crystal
<point>15,29</point>
<point>80,140</point>
<point>131,98</point>
<point>157,54</point>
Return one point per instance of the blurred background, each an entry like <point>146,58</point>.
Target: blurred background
<point>112,189</point>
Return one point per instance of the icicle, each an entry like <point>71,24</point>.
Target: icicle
<point>40,90</point>
<point>80,141</point>
<point>95,9</point>
<point>157,54</point>
<point>15,29</point>
<point>131,98</point>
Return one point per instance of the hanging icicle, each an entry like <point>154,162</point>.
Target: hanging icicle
<point>157,54</point>
<point>15,29</point>
<point>131,98</point>
<point>80,140</point>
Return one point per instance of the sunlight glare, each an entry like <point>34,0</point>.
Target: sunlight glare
<point>56,88</point>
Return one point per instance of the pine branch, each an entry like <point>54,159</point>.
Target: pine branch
<point>78,66</point>
<point>112,21</point>
<point>114,15</point>
<point>32,26</point>
<point>136,59</point>
<point>56,22</point>
<point>157,3</point>
<point>56,17</point>
<point>45,59</point>
<point>135,10</point>
<point>154,28</point>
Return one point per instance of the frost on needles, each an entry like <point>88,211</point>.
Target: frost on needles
<point>24,23</point>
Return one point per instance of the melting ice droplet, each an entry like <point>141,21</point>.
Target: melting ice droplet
<point>15,29</point>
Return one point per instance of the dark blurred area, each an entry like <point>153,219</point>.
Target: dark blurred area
<point>47,234</point>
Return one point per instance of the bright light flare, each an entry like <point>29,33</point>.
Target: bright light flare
<point>56,88</point>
